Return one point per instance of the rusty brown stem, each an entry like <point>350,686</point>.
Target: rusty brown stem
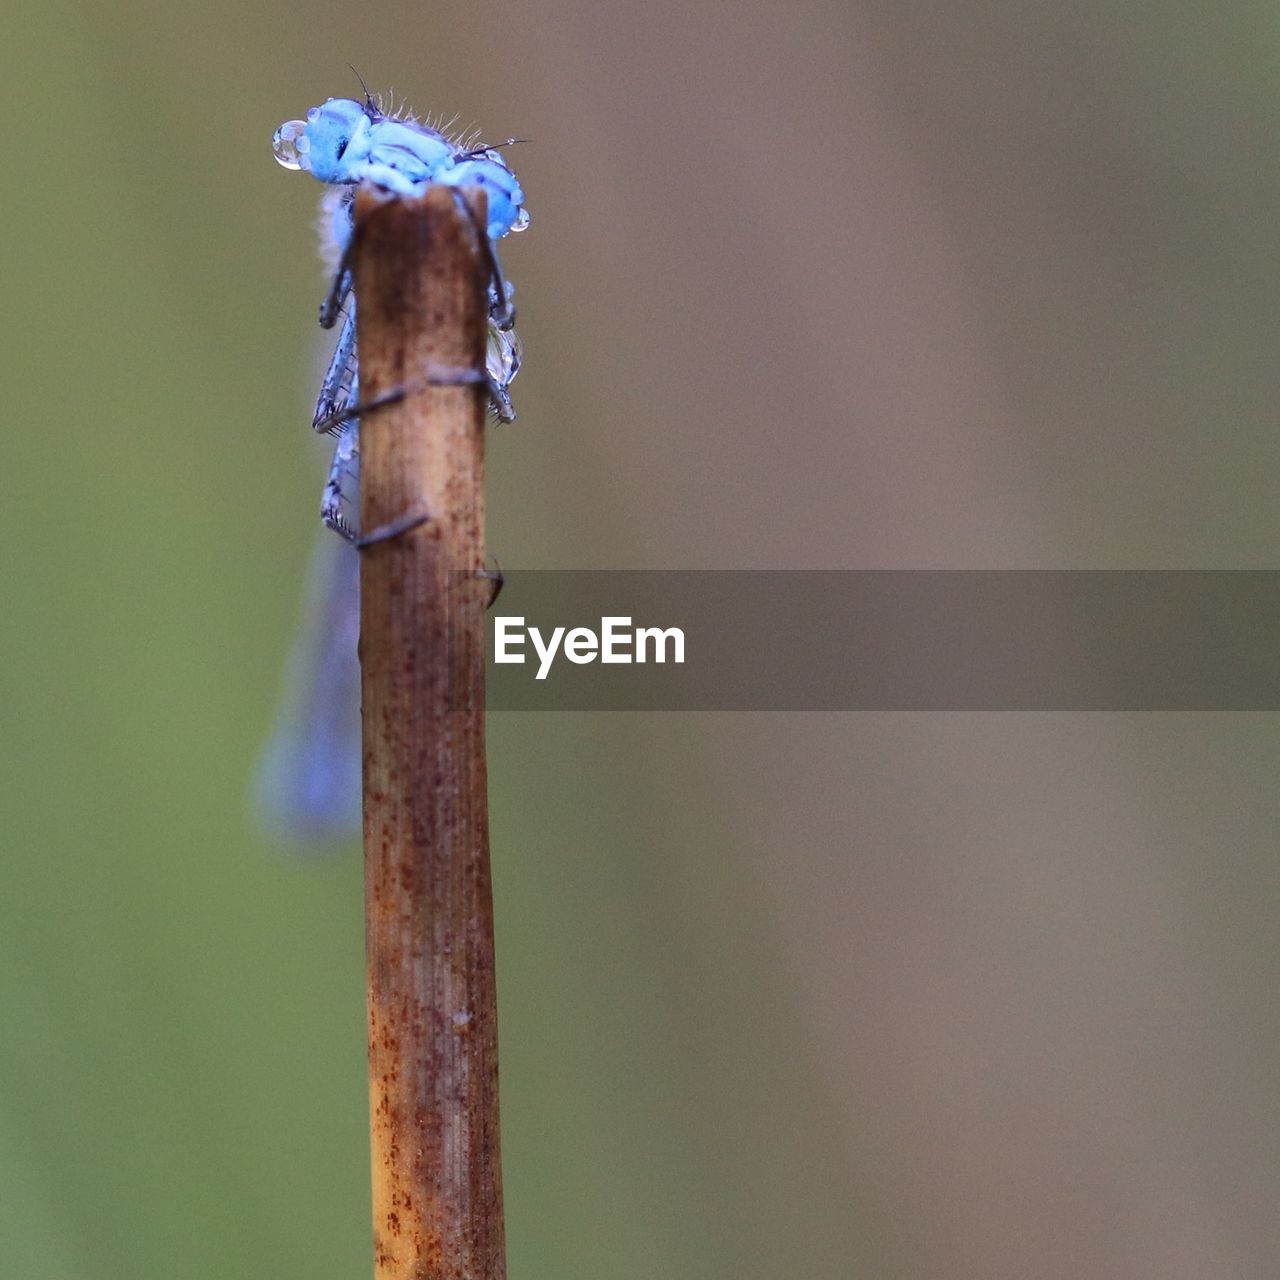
<point>433,1046</point>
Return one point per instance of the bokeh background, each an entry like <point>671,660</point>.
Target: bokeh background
<point>815,285</point>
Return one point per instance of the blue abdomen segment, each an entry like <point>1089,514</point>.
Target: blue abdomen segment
<point>499,184</point>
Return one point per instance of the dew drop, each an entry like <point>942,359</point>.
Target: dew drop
<point>290,145</point>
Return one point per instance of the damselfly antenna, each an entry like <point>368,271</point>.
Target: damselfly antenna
<point>370,105</point>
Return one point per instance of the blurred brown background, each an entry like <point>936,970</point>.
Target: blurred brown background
<point>806,286</point>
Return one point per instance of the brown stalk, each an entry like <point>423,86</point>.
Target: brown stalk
<point>433,1048</point>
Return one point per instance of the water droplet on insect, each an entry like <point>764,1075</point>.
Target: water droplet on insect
<point>522,220</point>
<point>290,145</point>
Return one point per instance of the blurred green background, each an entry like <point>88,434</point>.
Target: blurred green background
<point>807,286</point>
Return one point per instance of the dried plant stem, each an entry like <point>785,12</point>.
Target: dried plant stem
<point>433,1048</point>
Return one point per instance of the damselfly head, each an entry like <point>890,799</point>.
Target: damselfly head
<point>327,142</point>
